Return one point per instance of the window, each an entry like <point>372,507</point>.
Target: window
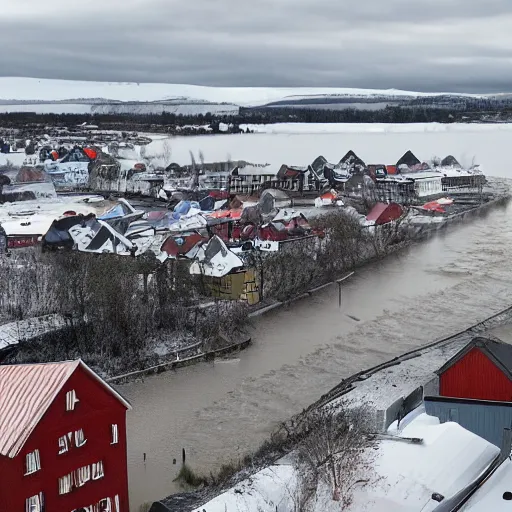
<point>105,505</point>
<point>115,434</point>
<point>63,445</point>
<point>66,484</point>
<point>80,438</point>
<point>97,471</point>
<point>118,508</point>
<point>66,442</point>
<point>71,400</point>
<point>83,475</point>
<point>35,503</point>
<point>32,462</point>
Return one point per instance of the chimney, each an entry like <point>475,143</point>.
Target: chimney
<point>506,445</point>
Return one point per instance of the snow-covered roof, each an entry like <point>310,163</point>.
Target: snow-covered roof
<point>406,475</point>
<point>27,391</point>
<point>35,217</point>
<point>421,175</point>
<point>448,459</point>
<point>214,259</point>
<point>489,498</point>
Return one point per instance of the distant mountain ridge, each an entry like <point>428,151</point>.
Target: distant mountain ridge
<point>18,94</point>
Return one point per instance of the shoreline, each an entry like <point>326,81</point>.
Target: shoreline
<point>179,363</point>
<point>418,237</point>
<point>281,441</point>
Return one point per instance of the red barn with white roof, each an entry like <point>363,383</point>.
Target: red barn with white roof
<point>62,440</point>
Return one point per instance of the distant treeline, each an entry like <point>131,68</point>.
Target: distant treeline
<point>168,122</point>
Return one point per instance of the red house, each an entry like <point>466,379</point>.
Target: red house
<point>62,440</point>
<point>482,370</point>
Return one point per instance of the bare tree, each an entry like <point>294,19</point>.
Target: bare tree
<point>335,448</point>
<point>167,152</point>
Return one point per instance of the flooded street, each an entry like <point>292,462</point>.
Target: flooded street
<point>220,411</point>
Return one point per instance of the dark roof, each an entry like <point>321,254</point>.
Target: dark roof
<point>408,159</point>
<point>352,159</point>
<point>318,163</point>
<point>291,171</point>
<point>450,161</point>
<point>377,211</point>
<point>498,352</point>
<point>467,401</point>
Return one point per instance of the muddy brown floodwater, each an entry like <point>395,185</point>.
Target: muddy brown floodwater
<point>220,411</point>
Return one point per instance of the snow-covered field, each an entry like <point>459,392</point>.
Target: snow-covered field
<point>300,144</point>
<point>192,109</point>
<point>47,108</point>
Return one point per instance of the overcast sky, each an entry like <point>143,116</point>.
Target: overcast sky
<point>425,45</point>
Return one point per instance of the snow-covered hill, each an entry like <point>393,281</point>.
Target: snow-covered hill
<point>36,89</point>
<point>43,95</point>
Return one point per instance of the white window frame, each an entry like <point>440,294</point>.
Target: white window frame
<point>115,433</point>
<point>32,462</point>
<point>97,471</point>
<point>63,444</point>
<point>118,506</point>
<point>65,484</point>
<point>83,475</point>
<point>71,400</point>
<point>80,439</point>
<point>34,503</point>
<point>109,504</point>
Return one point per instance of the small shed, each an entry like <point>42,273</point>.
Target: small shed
<point>482,370</point>
<point>486,419</point>
<point>382,213</point>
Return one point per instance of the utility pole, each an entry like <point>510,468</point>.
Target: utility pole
<point>339,281</point>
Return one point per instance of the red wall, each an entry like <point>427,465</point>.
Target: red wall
<point>475,376</point>
<point>95,413</point>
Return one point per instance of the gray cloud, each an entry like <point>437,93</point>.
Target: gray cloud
<point>435,45</point>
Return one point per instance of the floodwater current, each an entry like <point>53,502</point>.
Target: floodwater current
<point>220,411</point>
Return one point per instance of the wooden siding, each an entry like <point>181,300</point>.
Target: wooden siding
<point>485,419</point>
<point>475,376</point>
<point>96,411</point>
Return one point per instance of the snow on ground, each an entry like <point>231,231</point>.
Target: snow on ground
<point>190,109</point>
<point>314,128</point>
<point>14,332</point>
<point>14,158</point>
<point>48,108</point>
<point>26,89</point>
<point>406,474</point>
<point>269,490</point>
<point>385,387</point>
<point>295,144</point>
